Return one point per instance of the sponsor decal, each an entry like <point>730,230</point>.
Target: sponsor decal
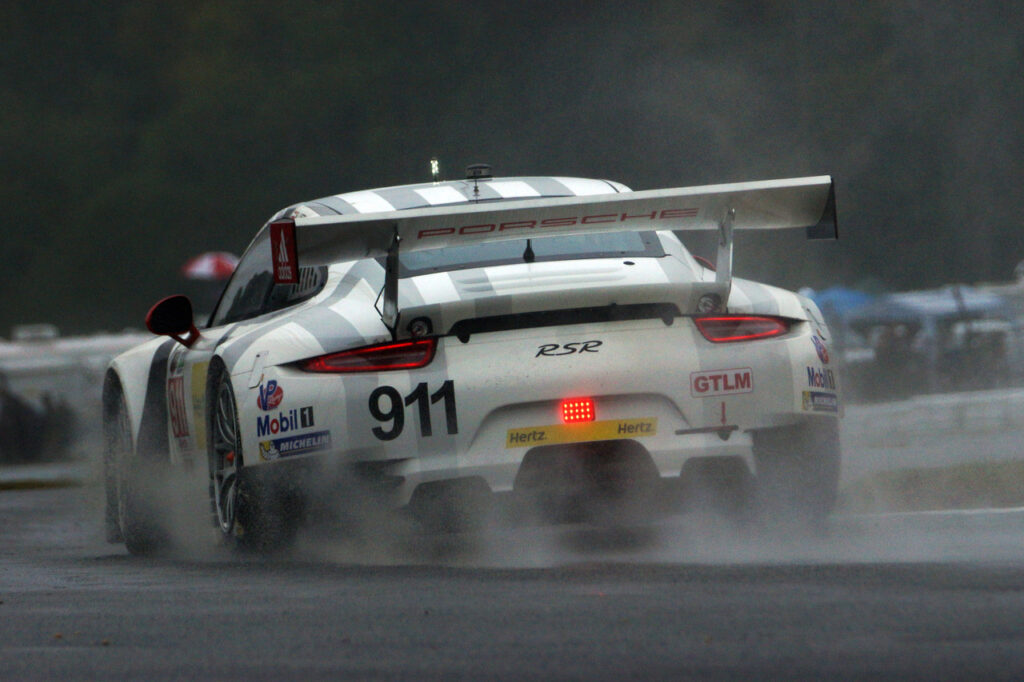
<point>820,349</point>
<point>820,377</point>
<point>721,382</point>
<point>177,363</point>
<point>568,221</point>
<point>270,395</point>
<point>554,349</point>
<point>612,429</point>
<point>301,212</point>
<point>817,324</point>
<point>284,421</point>
<point>817,401</point>
<point>176,406</point>
<point>294,445</point>
<point>198,387</point>
<point>283,252</point>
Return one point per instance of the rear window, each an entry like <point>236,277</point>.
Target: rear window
<point>251,291</point>
<point>574,247</point>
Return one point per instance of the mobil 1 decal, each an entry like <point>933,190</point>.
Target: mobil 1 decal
<point>285,421</point>
<point>389,407</point>
<point>821,377</point>
<point>718,382</point>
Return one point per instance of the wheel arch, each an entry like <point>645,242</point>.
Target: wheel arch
<point>112,390</point>
<point>115,397</point>
<point>140,377</point>
<point>216,367</point>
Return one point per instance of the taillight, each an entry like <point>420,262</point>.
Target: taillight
<point>576,410</point>
<point>389,356</point>
<point>730,328</point>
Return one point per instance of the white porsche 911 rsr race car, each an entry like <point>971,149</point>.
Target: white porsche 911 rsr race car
<point>545,337</point>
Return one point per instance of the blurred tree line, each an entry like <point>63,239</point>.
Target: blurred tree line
<point>137,134</point>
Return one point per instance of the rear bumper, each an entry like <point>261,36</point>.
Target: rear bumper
<point>481,405</point>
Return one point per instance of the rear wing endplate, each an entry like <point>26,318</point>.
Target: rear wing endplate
<point>766,205</point>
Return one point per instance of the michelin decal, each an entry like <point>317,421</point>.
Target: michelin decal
<point>819,401</point>
<point>294,445</point>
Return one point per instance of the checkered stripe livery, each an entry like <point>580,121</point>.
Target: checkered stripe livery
<point>447,193</point>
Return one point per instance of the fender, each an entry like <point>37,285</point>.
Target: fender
<point>152,443</point>
<point>146,404</point>
<point>764,299</point>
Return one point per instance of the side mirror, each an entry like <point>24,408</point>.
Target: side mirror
<point>172,317</point>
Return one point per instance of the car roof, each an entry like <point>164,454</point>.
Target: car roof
<point>452,192</point>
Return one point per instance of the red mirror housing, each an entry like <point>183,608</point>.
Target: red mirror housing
<point>173,317</point>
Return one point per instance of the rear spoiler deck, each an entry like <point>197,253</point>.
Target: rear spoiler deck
<point>765,205</point>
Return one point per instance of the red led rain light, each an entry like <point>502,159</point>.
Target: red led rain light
<point>575,410</point>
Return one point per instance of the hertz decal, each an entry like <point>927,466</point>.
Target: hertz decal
<point>581,433</point>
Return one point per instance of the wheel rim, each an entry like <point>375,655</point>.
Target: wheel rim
<point>227,459</point>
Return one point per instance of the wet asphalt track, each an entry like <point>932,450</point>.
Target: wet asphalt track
<point>927,597</point>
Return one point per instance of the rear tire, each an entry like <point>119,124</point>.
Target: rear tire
<point>250,512</point>
<point>797,473</point>
<point>143,533</point>
<point>132,510</point>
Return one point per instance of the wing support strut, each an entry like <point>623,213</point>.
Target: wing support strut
<point>723,262</point>
<point>389,313</point>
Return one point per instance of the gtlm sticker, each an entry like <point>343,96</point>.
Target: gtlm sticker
<point>721,382</point>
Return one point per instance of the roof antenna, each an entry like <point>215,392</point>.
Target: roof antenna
<point>528,255</point>
<point>435,170</point>
<point>476,173</point>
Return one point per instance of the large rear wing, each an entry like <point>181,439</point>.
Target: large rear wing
<point>766,205</point>
<point>771,204</point>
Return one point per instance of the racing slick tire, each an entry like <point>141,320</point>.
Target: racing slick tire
<point>132,504</point>
<point>797,474</point>
<point>251,511</point>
